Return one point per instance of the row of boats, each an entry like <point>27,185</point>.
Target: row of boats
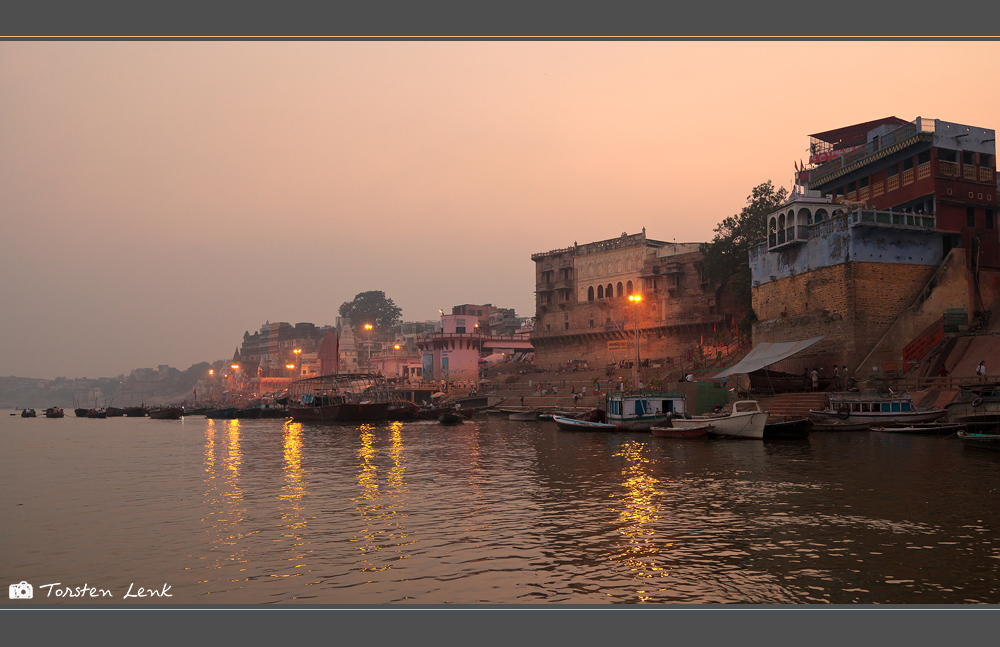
<point>974,417</point>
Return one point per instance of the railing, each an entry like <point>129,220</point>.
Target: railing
<point>891,218</point>
<point>948,383</point>
<point>949,169</point>
<point>889,139</point>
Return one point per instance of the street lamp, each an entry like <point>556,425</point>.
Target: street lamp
<point>369,327</point>
<point>297,352</point>
<point>636,299</point>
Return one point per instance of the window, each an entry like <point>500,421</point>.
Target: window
<point>600,291</point>
<point>985,159</point>
<point>621,289</point>
<point>891,170</point>
<point>566,324</point>
<point>609,291</point>
<point>908,164</point>
<point>970,216</point>
<point>628,288</point>
<point>924,157</point>
<point>989,218</point>
<point>590,294</point>
<point>968,157</point>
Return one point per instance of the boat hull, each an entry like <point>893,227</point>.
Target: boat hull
<point>572,424</point>
<point>858,421</point>
<point>228,413</point>
<point>343,412</point>
<point>167,413</point>
<point>681,432</point>
<point>787,429</point>
<point>980,441</point>
<point>740,425</point>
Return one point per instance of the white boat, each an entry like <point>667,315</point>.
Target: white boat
<point>855,411</point>
<point>746,420</point>
<point>977,407</point>
<point>641,410</point>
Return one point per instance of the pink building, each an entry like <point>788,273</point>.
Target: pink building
<point>454,354</point>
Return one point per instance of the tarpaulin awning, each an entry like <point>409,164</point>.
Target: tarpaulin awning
<point>768,353</point>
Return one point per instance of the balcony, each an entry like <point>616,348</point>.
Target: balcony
<point>785,238</point>
<point>891,219</point>
<point>902,137</point>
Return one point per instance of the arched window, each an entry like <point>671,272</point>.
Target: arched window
<point>772,230</point>
<point>621,289</point>
<point>781,229</point>
<point>628,288</point>
<point>600,291</point>
<point>820,215</point>
<point>609,291</point>
<point>590,293</point>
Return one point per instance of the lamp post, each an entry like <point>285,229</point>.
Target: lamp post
<point>298,356</point>
<point>636,299</point>
<point>369,327</point>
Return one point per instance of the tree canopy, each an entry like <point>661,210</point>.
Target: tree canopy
<point>371,307</point>
<point>726,260</point>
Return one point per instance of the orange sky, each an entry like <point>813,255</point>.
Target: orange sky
<point>159,198</point>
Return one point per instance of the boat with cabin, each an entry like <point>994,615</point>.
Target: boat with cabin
<point>745,420</point>
<point>977,407</point>
<point>849,411</point>
<point>342,397</point>
<point>641,410</point>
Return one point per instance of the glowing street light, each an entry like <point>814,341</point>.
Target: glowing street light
<point>369,327</point>
<point>636,299</point>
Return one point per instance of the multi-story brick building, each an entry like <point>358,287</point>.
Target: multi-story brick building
<point>878,243</point>
<point>269,351</point>
<point>583,310</point>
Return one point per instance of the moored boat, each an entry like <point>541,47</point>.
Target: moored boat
<point>343,397</point>
<point>977,407</point>
<point>939,428</point>
<point>135,412</point>
<point>531,415</point>
<point>166,413</point>
<point>573,424</point>
<point>97,413</point>
<point>81,412</point>
<point>746,420</point>
<point>114,412</point>
<point>787,429</point>
<point>855,411</point>
<point>640,410</point>
<point>978,440</point>
<point>699,431</point>
<point>222,413</point>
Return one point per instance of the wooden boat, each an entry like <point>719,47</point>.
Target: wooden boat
<point>746,420</point>
<point>343,397</point>
<point>524,415</point>
<point>97,413</point>
<point>850,410</point>
<point>699,431</point>
<point>593,415</point>
<point>245,413</point>
<point>81,412</point>
<point>29,413</point>
<point>54,412</point>
<point>940,428</point>
<point>977,407</point>
<point>451,418</point>
<point>135,412</point>
<point>640,410</point>
<point>402,410</point>
<point>224,413</point>
<point>166,413</point>
<point>572,424</point>
<point>114,412</point>
<point>979,440</point>
<point>787,429</point>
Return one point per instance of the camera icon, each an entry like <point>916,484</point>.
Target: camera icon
<point>22,591</point>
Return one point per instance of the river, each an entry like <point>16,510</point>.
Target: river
<point>271,512</point>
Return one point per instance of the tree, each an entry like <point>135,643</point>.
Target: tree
<point>371,307</point>
<point>726,260</point>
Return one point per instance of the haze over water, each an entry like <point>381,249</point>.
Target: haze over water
<point>494,511</point>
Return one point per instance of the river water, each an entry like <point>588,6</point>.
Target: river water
<point>264,512</point>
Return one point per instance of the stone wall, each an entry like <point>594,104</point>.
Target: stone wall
<point>853,304</point>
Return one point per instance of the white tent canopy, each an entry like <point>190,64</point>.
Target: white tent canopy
<point>768,353</point>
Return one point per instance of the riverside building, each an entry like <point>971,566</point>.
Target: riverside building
<point>888,241</point>
<point>583,311</point>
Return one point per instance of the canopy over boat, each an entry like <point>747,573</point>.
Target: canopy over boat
<point>768,353</point>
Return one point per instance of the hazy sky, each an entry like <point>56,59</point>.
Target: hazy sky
<point>160,198</point>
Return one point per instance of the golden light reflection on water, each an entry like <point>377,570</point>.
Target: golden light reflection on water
<point>641,552</point>
<point>383,540</point>
<point>223,499</point>
<point>293,524</point>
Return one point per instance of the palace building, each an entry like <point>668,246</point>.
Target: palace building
<point>583,310</point>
